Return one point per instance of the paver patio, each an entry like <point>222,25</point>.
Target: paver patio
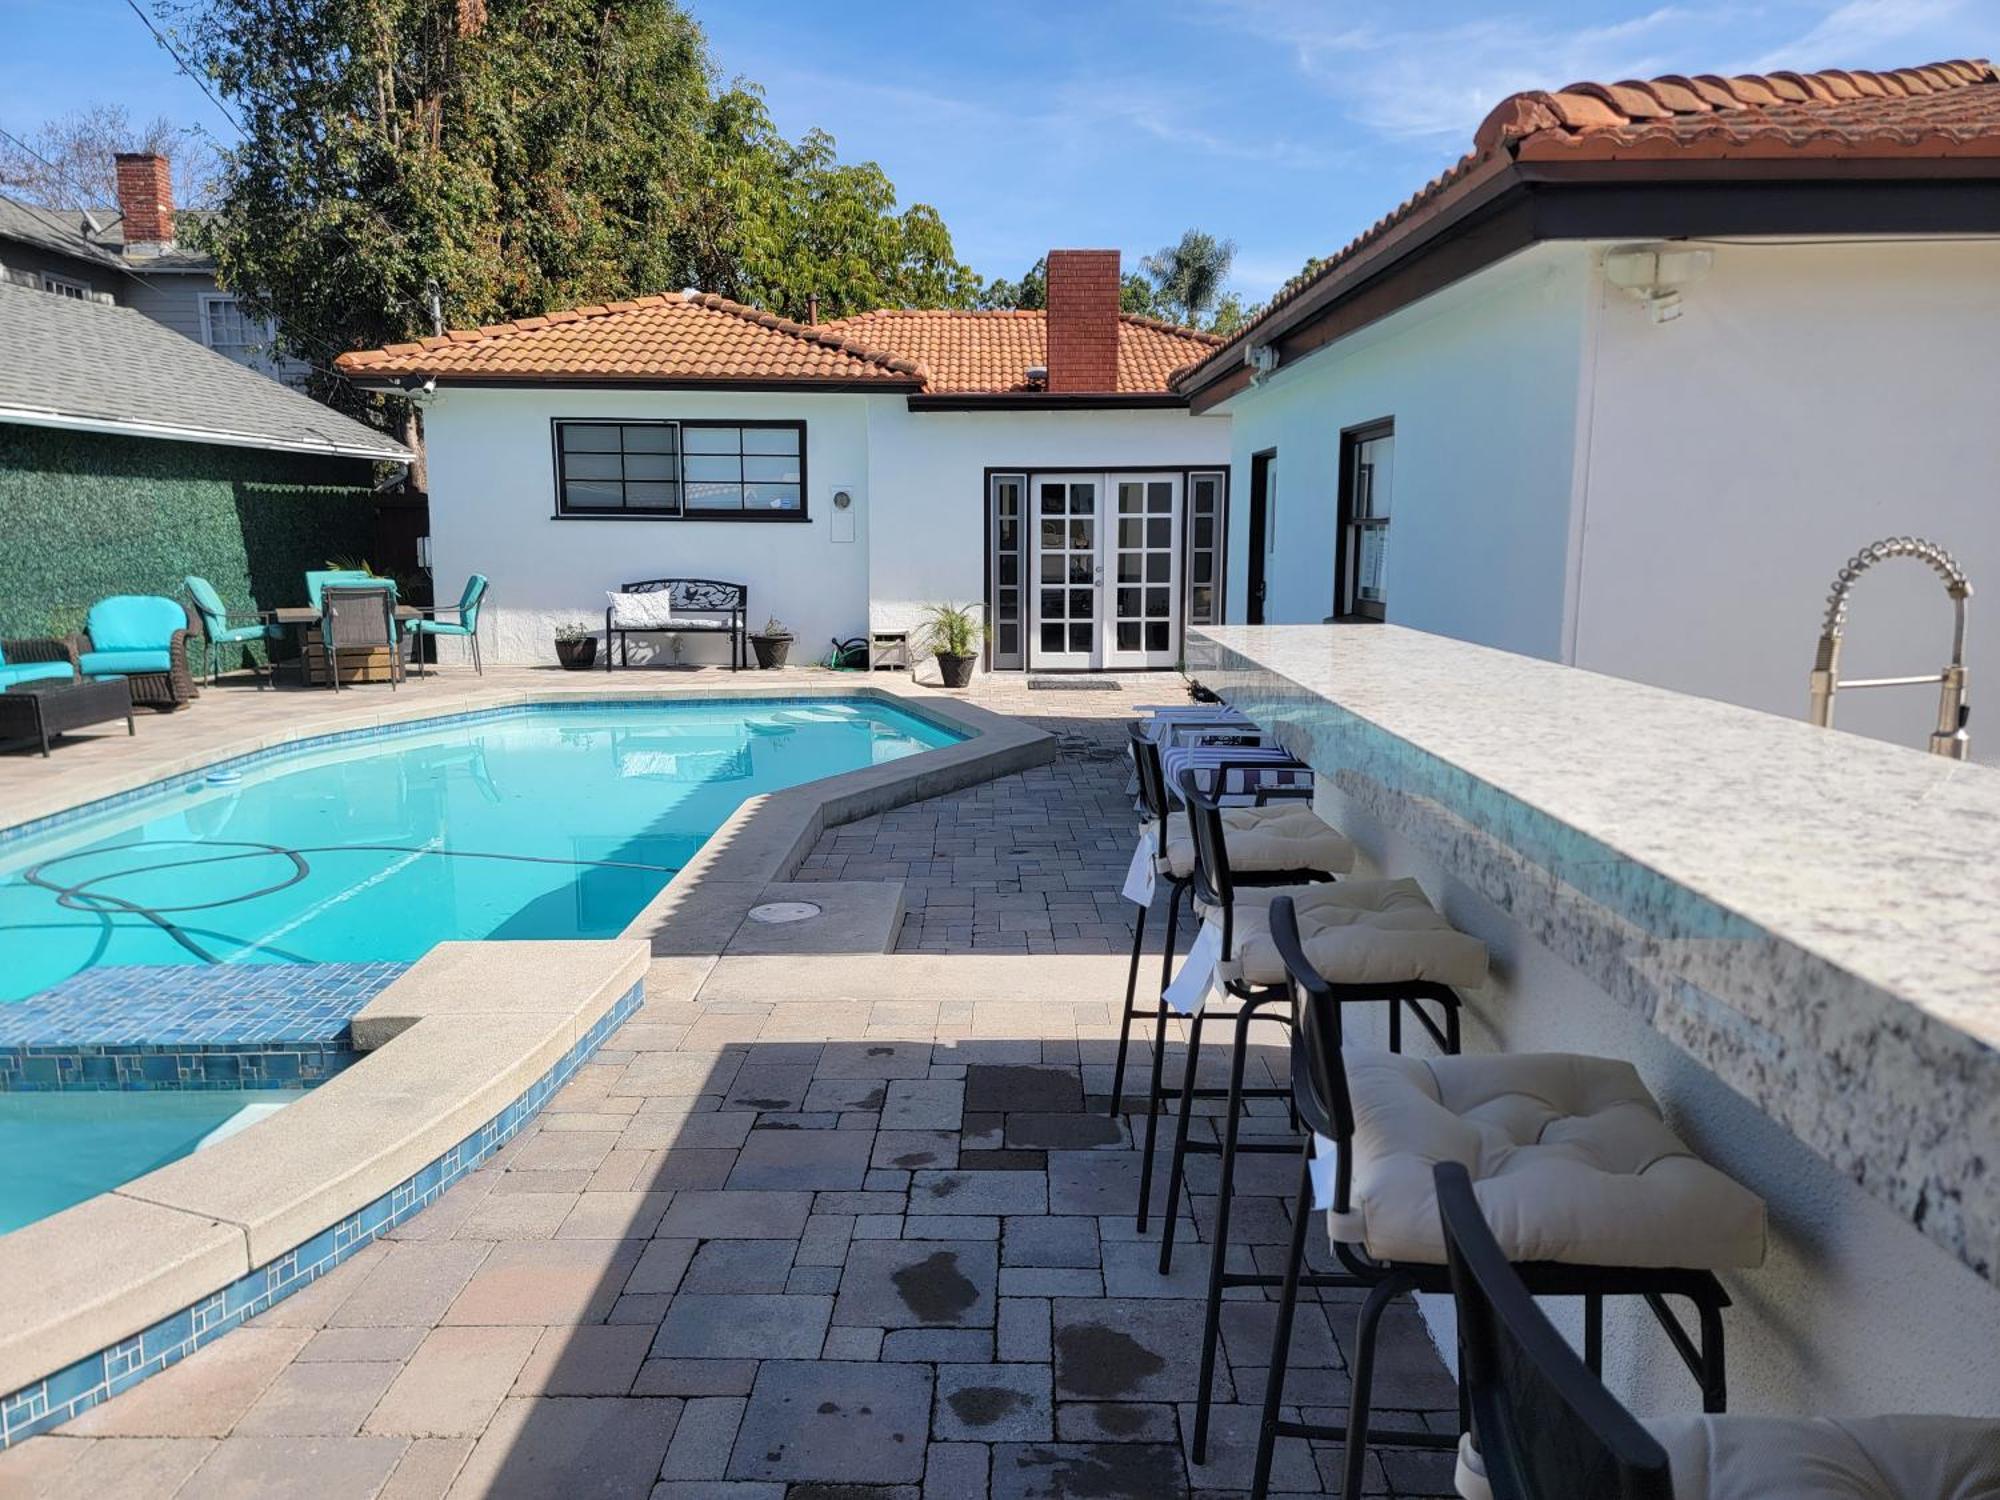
<point>778,1249</point>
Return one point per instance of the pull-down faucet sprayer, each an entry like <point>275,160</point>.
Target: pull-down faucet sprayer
<point>1951,736</point>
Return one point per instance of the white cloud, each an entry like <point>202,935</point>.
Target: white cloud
<point>1859,33</point>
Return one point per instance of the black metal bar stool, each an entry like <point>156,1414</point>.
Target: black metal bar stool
<point>1597,1198</point>
<point>1543,1427</point>
<point>1377,941</point>
<point>1277,844</point>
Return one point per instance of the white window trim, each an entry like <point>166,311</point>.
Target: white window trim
<point>64,286</point>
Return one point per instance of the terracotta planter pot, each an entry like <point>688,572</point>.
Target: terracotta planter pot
<point>575,656</point>
<point>771,650</point>
<point>956,670</point>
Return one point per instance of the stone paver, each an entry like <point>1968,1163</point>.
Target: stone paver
<point>797,1249</point>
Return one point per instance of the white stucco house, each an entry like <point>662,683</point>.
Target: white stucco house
<point>848,473</point>
<point>1627,385</point>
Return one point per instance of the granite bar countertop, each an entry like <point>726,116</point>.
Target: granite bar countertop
<point>1813,915</point>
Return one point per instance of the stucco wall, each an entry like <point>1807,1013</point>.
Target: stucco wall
<point>1854,1312</point>
<point>1810,399</point>
<point>1480,379</point>
<point>492,475</point>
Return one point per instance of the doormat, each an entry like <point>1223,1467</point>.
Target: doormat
<point>1074,684</point>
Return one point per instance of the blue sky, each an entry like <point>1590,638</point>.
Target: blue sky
<point>1285,125</point>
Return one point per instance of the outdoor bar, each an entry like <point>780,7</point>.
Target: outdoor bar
<point>1789,931</point>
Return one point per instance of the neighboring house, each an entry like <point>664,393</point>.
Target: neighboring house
<point>130,458</point>
<point>1627,385</point>
<point>848,473</point>
<point>133,258</point>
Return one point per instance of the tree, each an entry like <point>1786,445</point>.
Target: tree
<point>1135,292</point>
<point>1188,275</point>
<point>522,156</point>
<point>67,163</point>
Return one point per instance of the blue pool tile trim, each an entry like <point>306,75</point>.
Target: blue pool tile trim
<point>129,1004</point>
<point>73,1390</point>
<point>139,1028</point>
<point>237,764</point>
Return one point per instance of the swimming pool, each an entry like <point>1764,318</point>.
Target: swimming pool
<point>544,821</point>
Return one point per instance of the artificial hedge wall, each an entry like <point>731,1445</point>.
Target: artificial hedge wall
<point>84,515</point>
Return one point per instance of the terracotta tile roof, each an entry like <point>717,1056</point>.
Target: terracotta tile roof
<point>991,352</point>
<point>1947,109</point>
<point>680,337</point>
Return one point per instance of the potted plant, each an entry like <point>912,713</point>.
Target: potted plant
<point>772,643</point>
<point>576,644</point>
<point>953,633</point>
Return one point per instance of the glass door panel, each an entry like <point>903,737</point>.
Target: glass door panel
<point>1145,596</point>
<point>1067,572</point>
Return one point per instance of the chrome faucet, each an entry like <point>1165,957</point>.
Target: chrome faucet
<point>1951,736</point>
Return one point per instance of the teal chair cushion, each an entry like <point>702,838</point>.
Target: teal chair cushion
<point>342,577</point>
<point>134,622</point>
<point>33,671</point>
<point>439,627</point>
<point>207,603</point>
<point>124,663</point>
<point>237,634</point>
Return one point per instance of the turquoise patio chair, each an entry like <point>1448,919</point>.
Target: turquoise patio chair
<point>142,638</point>
<point>217,630</point>
<point>465,626</point>
<point>342,578</point>
<point>39,660</point>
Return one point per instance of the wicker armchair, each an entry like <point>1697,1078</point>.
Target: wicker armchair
<point>36,660</point>
<point>144,639</point>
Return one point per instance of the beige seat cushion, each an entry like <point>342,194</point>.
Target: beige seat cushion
<point>1354,932</point>
<point>1277,839</point>
<point>1569,1158</point>
<point>1811,1458</point>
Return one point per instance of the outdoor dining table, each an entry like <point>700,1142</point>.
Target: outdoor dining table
<point>302,617</point>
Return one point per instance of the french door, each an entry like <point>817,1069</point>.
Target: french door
<point>1107,565</point>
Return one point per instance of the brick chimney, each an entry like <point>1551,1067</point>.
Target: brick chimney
<point>1083,320</point>
<point>146,199</point>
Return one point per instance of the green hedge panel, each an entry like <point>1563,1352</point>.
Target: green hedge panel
<point>84,515</point>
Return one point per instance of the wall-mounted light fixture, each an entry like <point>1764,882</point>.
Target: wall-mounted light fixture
<point>1262,360</point>
<point>1654,275</point>
<point>841,499</point>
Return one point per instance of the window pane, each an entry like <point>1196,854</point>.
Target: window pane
<point>1128,499</point>
<point>770,497</point>
<point>651,496</point>
<point>1080,604</point>
<point>592,496</point>
<point>1129,566</point>
<point>1052,499</point>
<point>648,466</point>
<point>655,439</point>
<point>1156,635</point>
<point>1052,638</point>
<point>1052,605</point>
<point>1159,497</point>
<point>1128,635</point>
<point>1010,567</point>
<point>590,466</point>
<point>582,437</point>
<point>711,439</point>
<point>1159,567</point>
<point>1081,568</point>
<point>1052,567</point>
<point>714,496</point>
<point>1079,637</point>
<point>785,469</point>
<point>700,466</point>
<point>771,440</point>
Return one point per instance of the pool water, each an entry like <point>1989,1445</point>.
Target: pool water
<point>63,1148</point>
<point>543,822</point>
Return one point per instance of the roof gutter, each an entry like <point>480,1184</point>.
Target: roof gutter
<point>388,451</point>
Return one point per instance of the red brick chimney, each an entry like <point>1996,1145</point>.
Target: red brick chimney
<point>146,199</point>
<point>1083,320</point>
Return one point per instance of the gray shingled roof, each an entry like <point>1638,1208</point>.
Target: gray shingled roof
<point>53,229</point>
<point>77,364</point>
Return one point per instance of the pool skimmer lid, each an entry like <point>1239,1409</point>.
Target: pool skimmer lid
<point>784,911</point>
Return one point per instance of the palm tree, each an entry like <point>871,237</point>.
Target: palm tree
<point>1190,274</point>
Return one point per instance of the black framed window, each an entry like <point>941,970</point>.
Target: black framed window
<point>1367,484</point>
<point>681,470</point>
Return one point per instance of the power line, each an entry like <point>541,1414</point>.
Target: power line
<point>171,51</point>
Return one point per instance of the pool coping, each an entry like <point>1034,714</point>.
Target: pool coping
<point>458,1054</point>
<point>97,1297</point>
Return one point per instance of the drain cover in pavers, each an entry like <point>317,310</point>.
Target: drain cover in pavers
<point>1104,1471</point>
<point>979,1192</point>
<point>918,1284</point>
<point>818,1159</point>
<point>1001,1088</point>
<point>1127,1349</point>
<point>835,1423</point>
<point>1064,1132</point>
<point>750,1326</point>
<point>993,1403</point>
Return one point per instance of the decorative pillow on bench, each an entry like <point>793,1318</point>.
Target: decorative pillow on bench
<point>655,612</point>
